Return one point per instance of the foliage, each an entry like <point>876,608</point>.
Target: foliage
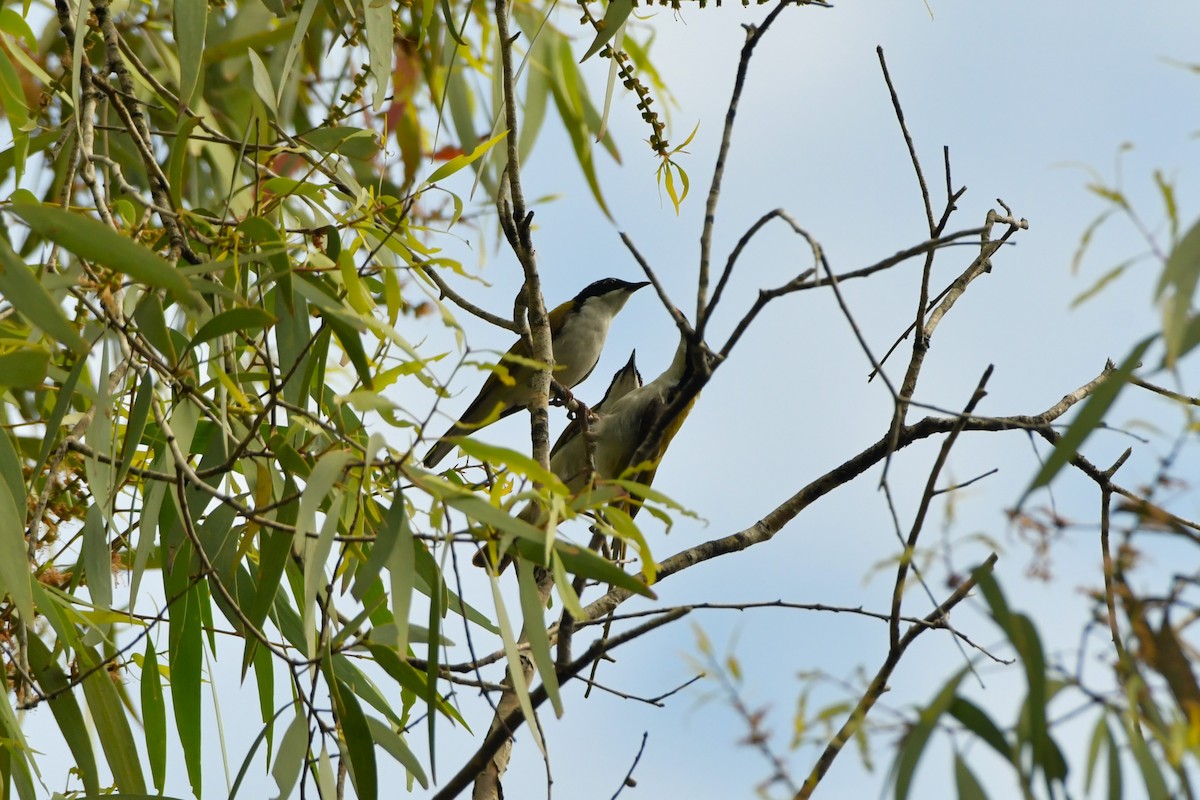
<point>209,257</point>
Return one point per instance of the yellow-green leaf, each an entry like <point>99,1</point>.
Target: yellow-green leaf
<point>25,368</point>
<point>189,22</point>
<point>29,296</point>
<point>234,320</point>
<point>458,162</point>
<point>91,239</point>
<point>112,724</point>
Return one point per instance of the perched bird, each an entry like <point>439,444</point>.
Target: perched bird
<point>623,423</point>
<point>625,380</point>
<point>578,329</point>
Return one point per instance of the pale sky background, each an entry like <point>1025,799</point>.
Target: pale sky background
<point>1017,91</point>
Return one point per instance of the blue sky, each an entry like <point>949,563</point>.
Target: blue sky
<point>1019,92</point>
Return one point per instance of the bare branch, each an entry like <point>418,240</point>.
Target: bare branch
<point>753,34</point>
<point>879,682</point>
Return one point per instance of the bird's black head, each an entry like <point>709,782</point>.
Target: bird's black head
<point>607,286</point>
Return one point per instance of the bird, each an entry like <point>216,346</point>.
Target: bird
<point>624,425</point>
<point>624,380</point>
<point>624,421</point>
<point>578,329</point>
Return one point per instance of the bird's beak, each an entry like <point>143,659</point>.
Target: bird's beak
<point>639,285</point>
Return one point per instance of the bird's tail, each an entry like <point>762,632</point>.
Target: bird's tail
<point>442,447</point>
<point>479,414</point>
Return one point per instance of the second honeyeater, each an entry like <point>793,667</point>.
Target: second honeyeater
<point>625,419</point>
<point>578,329</point>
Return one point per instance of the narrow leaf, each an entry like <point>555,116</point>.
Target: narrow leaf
<point>112,724</point>
<point>91,239</point>
<point>290,760</point>
<point>1089,417</point>
<point>189,22</point>
<point>377,18</point>
<point>458,162</point>
<point>27,294</point>
<point>614,17</point>
<point>533,612</point>
<point>154,716</point>
<point>359,746</point>
<point>67,714</point>
<point>235,320</point>
<point>14,557</point>
<point>261,79</point>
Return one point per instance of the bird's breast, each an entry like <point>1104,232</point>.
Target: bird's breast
<point>577,346</point>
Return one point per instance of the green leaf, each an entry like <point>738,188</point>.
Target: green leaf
<point>986,581</point>
<point>66,396</point>
<point>387,535</point>
<point>1181,276</point>
<point>1088,418</point>
<point>25,368</point>
<point>12,97</point>
<point>537,91</point>
<point>410,678</point>
<point>614,17</point>
<point>264,678</point>
<point>359,746</point>
<point>394,744</point>
<point>377,19</point>
<point>979,723</point>
<point>10,471</point>
<point>583,561</point>
<point>30,298</point>
<point>274,548</point>
<point>968,786</point>
<point>112,724</point>
<point>352,345</point>
<point>326,780</point>
<point>316,553</point>
<point>185,656</point>
<point>358,682</point>
<point>356,143</point>
<point>1115,791</point>
<point>513,460</point>
<point>913,745</point>
<point>302,23</point>
<point>324,475</point>
<point>154,715</point>
<point>533,612</point>
<point>458,162</point>
<point>189,23</point>
<point>91,239</point>
<point>1101,282</point>
<point>293,750</point>
<point>268,729</point>
<point>1148,765</point>
<point>235,320</point>
<point>138,414</point>
<point>516,673</point>
<point>565,85</point>
<point>152,324</point>
<point>97,558</point>
<point>180,159</point>
<point>1100,734</point>
<point>261,79</point>
<point>14,557</point>
<point>67,714</point>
